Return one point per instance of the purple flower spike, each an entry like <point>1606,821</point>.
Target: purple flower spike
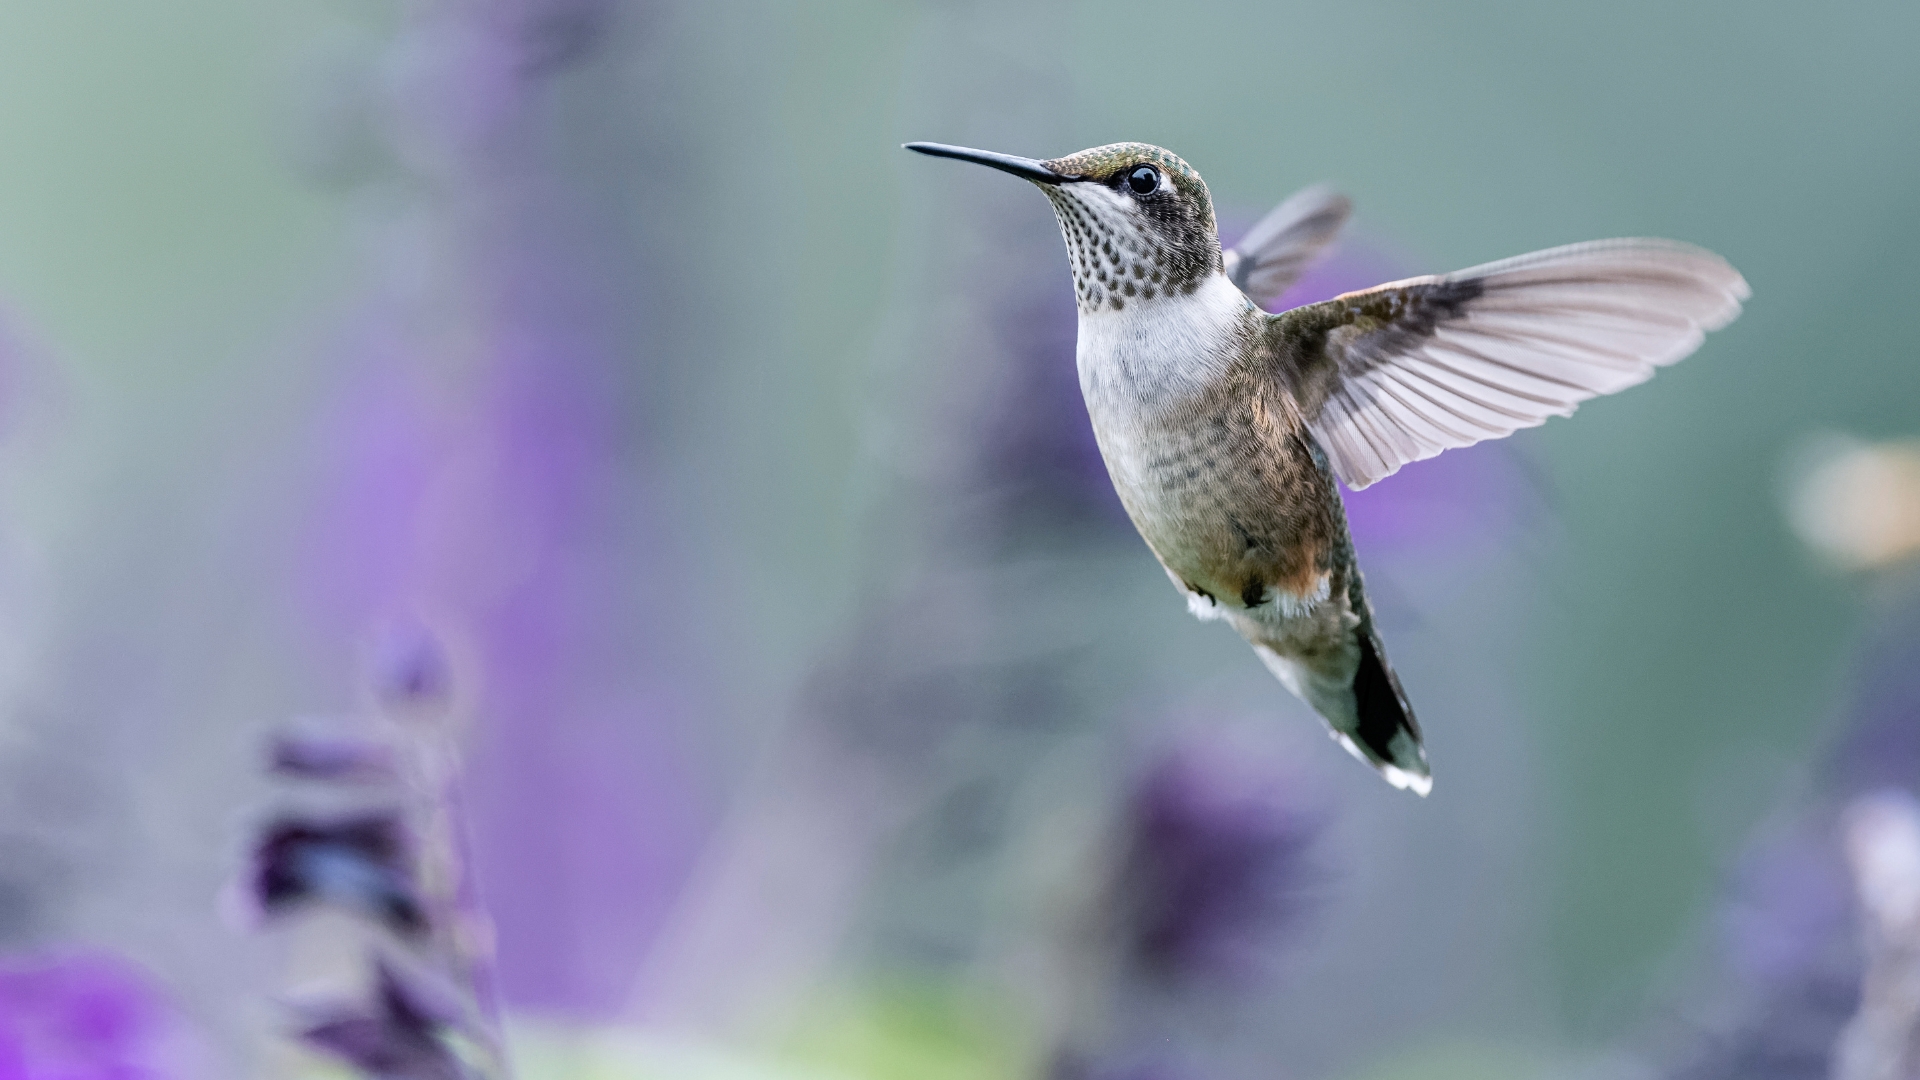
<point>559,35</point>
<point>411,671</point>
<point>358,862</point>
<point>332,758</point>
<point>400,1037</point>
<point>1215,869</point>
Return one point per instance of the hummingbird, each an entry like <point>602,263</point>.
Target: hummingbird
<point>1224,427</point>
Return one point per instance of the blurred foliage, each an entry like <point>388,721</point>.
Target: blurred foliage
<point>887,1032</point>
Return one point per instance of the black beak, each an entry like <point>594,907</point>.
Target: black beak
<point>1024,168</point>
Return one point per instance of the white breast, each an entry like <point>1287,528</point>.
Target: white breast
<point>1140,365</point>
<point>1148,358</point>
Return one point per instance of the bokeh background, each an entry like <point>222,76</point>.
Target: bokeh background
<point>605,372</point>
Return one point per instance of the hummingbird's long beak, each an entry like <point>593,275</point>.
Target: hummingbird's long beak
<point>1025,168</point>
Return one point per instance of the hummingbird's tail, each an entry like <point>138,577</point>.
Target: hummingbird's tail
<point>1365,711</point>
<point>1385,734</point>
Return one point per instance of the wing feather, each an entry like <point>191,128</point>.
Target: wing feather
<point>1274,252</point>
<point>1406,370</point>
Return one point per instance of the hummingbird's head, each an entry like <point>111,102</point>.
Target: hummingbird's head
<point>1138,221</point>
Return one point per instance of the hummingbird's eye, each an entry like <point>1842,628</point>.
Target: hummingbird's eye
<point>1144,180</point>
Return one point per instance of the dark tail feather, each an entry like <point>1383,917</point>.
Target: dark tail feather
<point>1387,731</point>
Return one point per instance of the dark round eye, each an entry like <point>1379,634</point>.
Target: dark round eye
<point>1144,180</point>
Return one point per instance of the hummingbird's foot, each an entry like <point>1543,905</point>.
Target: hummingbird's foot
<point>1201,605</point>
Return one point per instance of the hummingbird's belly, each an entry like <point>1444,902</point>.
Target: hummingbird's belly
<point>1204,452</point>
<point>1236,511</point>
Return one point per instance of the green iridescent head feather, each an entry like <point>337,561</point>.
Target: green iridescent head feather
<point>1105,163</point>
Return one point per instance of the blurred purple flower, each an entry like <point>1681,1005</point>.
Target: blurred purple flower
<point>1214,870</point>
<point>1038,457</point>
<point>331,757</point>
<point>83,1017</point>
<point>360,863</point>
<point>1881,747</point>
<point>1882,840</point>
<point>1444,502</point>
<point>1788,930</point>
<point>556,34</point>
<point>491,482</point>
<point>399,864</point>
<point>1791,926</point>
<point>1211,870</point>
<point>400,1035</point>
<point>1789,1036</point>
<point>1790,902</point>
<point>411,672</point>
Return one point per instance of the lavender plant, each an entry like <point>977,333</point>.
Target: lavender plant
<point>370,826</point>
<point>1216,869</point>
<point>400,1033</point>
<point>1212,868</point>
<point>1820,957</point>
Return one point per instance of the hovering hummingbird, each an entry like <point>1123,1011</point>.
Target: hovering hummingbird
<point>1223,427</point>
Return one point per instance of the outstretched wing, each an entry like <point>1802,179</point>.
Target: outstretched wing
<point>1405,370</point>
<point>1273,252</point>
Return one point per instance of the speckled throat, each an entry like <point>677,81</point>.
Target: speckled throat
<point>1112,262</point>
